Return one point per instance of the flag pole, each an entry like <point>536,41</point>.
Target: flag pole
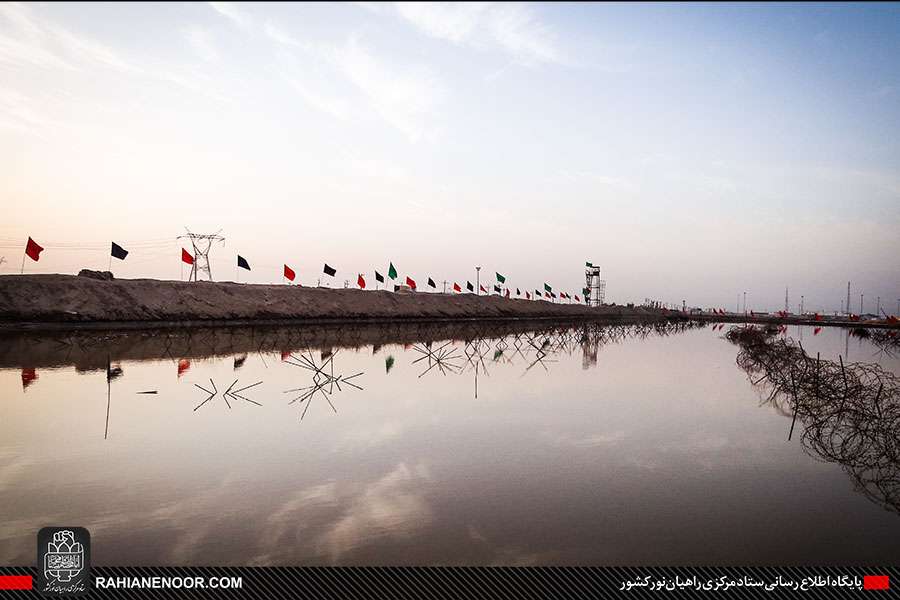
<point>22,272</point>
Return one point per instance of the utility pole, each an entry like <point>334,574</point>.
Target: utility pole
<point>801,305</point>
<point>745,303</point>
<point>848,297</point>
<point>878,306</point>
<point>445,286</point>
<point>861,303</point>
<point>786,307</point>
<point>478,280</point>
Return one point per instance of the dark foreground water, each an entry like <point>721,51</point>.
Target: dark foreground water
<point>584,445</point>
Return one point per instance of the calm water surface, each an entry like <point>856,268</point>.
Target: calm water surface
<point>611,446</point>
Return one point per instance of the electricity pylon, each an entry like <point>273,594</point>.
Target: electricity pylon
<point>202,244</point>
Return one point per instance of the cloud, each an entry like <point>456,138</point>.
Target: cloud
<point>280,36</point>
<point>513,29</point>
<point>46,45</point>
<point>405,99</point>
<point>454,22</point>
<point>335,106</point>
<point>393,505</point>
<point>230,11</point>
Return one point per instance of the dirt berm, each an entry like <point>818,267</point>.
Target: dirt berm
<point>72,300</point>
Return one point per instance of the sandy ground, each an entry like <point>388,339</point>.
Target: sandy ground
<point>81,300</point>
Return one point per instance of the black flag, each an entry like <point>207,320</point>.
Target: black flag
<point>329,271</point>
<point>431,282</point>
<point>118,251</point>
<point>518,293</point>
<point>242,262</point>
<point>497,288</point>
<point>469,286</point>
<point>396,287</point>
<point>379,277</point>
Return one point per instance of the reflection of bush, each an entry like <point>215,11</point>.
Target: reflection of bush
<point>850,413</point>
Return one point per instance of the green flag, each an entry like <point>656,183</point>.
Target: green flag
<point>588,264</point>
<point>501,278</point>
<point>547,288</point>
<point>392,272</point>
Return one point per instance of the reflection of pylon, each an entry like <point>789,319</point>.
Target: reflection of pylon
<point>202,244</point>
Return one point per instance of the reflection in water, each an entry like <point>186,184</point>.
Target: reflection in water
<point>323,382</point>
<point>589,443</point>
<point>230,392</point>
<point>29,376</point>
<point>111,373</point>
<point>850,413</point>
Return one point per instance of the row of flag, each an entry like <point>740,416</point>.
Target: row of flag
<point>33,251</point>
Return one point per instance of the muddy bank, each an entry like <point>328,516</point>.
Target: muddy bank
<point>71,301</point>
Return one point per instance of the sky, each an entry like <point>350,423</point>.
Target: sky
<point>693,151</point>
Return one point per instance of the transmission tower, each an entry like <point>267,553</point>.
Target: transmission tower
<point>202,243</point>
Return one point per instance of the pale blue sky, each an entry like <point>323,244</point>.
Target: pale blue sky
<point>693,151</point>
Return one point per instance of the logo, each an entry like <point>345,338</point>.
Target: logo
<point>64,561</point>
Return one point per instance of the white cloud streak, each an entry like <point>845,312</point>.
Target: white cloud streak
<point>231,11</point>
<point>513,29</point>
<point>25,43</point>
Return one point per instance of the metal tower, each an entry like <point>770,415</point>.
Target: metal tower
<point>202,244</point>
<point>595,286</point>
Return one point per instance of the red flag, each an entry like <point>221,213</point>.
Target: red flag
<point>482,289</point>
<point>577,299</point>
<point>33,250</point>
<point>285,354</point>
<point>410,282</point>
<point>186,257</point>
<point>28,377</point>
<point>456,287</point>
<point>547,294</point>
<point>361,282</point>
<point>183,365</point>
<point>507,292</point>
<point>289,273</point>
<point>527,295</point>
<point>817,330</point>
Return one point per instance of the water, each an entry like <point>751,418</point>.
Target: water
<point>632,446</point>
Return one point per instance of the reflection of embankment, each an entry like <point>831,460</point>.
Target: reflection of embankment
<point>850,414</point>
<point>90,349</point>
<point>888,340</point>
